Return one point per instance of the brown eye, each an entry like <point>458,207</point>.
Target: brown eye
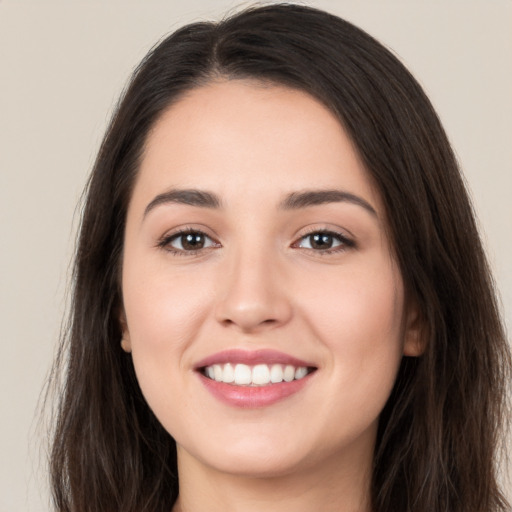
<point>189,241</point>
<point>324,241</point>
<point>192,241</point>
<point>321,241</point>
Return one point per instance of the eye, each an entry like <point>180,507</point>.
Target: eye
<point>187,241</point>
<point>324,241</point>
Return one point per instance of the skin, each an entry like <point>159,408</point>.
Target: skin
<point>258,283</point>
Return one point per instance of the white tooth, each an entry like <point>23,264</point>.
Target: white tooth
<point>289,373</point>
<point>301,372</point>
<point>228,373</point>
<point>260,374</point>
<point>210,373</point>
<point>243,374</point>
<point>217,372</point>
<point>276,373</point>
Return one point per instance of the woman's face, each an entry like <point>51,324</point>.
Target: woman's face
<point>256,250</point>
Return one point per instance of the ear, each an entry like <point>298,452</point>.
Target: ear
<point>126,343</point>
<point>414,332</point>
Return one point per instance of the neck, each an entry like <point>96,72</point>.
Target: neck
<point>338,485</point>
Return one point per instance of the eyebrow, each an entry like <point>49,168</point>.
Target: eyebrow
<point>191,197</point>
<point>293,201</point>
<point>297,200</point>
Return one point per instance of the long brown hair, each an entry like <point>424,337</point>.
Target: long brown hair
<point>439,432</point>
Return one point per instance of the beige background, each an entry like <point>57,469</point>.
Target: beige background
<point>62,66</point>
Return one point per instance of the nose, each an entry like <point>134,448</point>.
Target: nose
<point>252,294</point>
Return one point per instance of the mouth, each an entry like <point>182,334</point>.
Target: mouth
<point>252,379</point>
<point>257,375</point>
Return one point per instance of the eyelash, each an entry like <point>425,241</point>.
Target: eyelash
<point>345,242</point>
<point>165,242</point>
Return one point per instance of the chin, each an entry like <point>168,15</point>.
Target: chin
<point>260,465</point>
<point>249,456</point>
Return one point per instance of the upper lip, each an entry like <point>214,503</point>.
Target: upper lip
<point>252,357</point>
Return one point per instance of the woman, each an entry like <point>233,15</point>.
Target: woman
<point>281,301</point>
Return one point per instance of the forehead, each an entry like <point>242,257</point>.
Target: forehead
<point>238,136</point>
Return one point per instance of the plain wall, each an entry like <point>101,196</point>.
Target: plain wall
<point>62,66</point>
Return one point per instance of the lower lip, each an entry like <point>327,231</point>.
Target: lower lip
<point>252,397</point>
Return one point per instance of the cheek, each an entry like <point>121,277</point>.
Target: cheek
<point>358,318</point>
<point>165,312</point>
<point>163,309</point>
<point>356,302</point>
<point>164,315</point>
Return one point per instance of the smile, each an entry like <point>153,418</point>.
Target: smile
<point>257,375</point>
<point>254,379</point>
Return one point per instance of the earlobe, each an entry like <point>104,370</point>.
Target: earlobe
<point>125,344</point>
<point>413,347</point>
<point>125,339</point>
<point>414,334</point>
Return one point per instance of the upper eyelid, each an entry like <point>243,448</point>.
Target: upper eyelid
<point>164,241</point>
<point>205,231</point>
<point>324,232</point>
<point>345,240</point>
<point>188,229</point>
<point>173,236</point>
<point>343,233</point>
